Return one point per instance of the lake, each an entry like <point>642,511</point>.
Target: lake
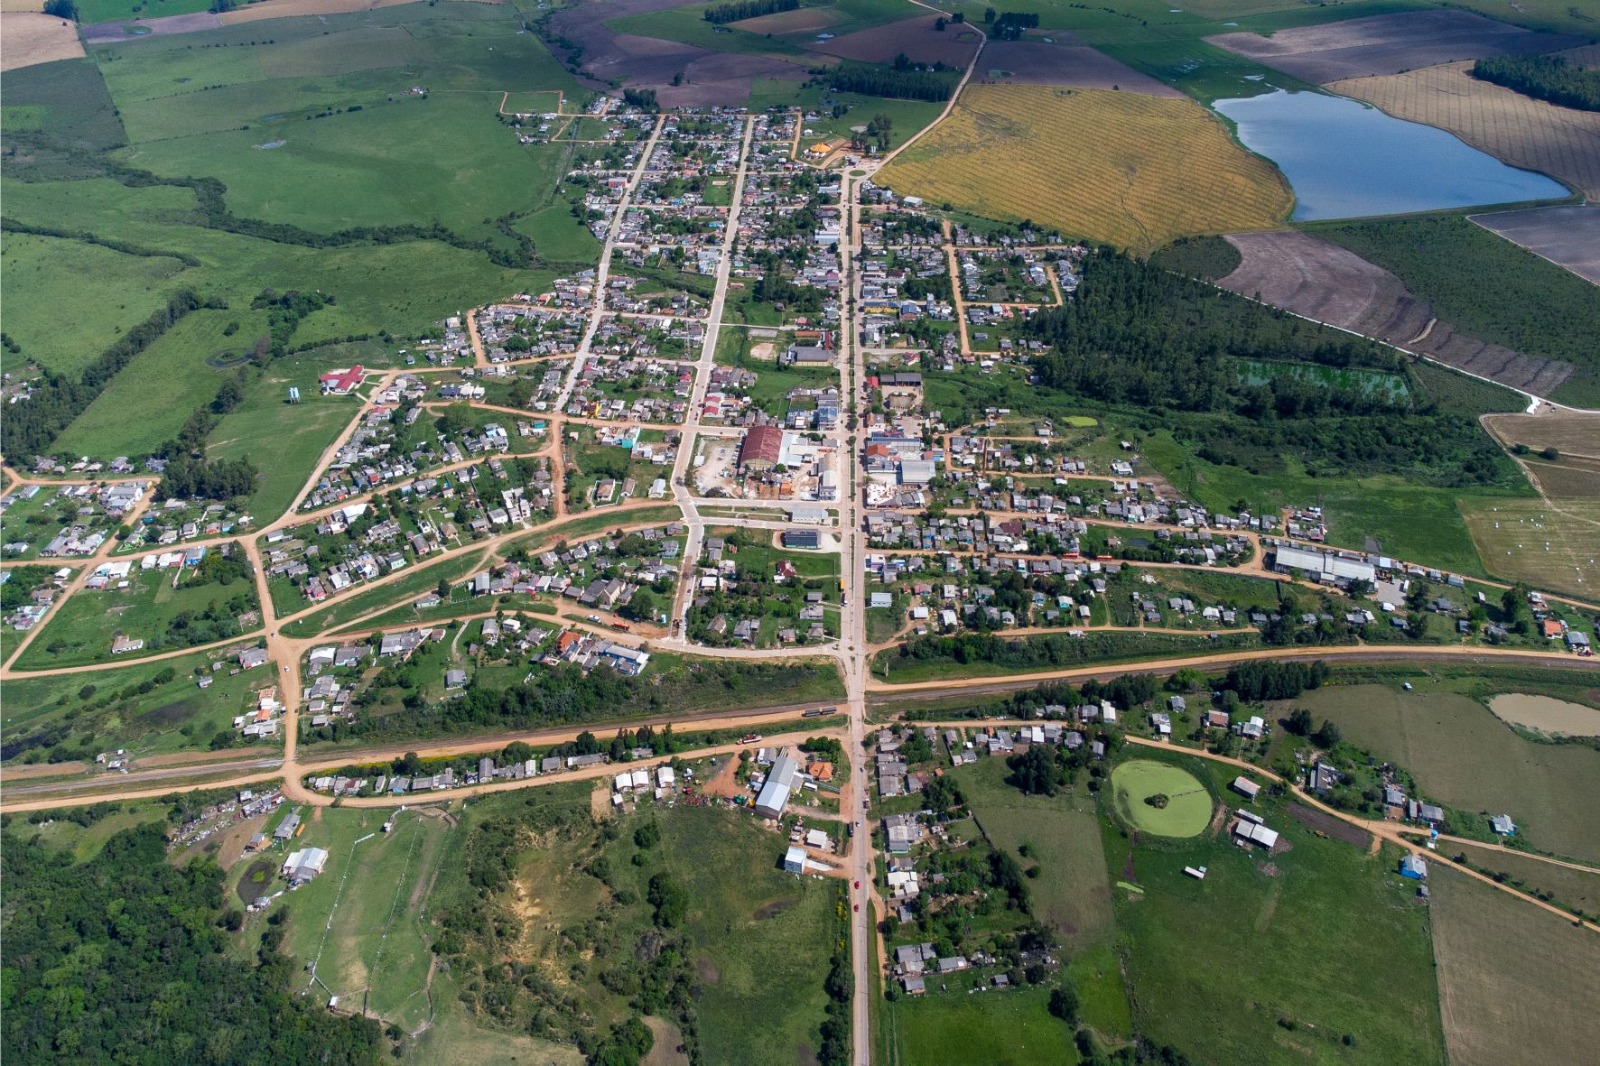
<point>1345,159</point>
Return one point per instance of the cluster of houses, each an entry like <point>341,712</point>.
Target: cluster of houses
<point>29,614</point>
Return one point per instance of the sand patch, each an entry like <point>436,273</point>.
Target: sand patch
<point>1545,714</point>
<point>28,39</point>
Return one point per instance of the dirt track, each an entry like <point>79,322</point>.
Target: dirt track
<point>1320,280</point>
<point>1387,44</point>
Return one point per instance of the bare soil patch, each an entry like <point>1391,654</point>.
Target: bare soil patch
<point>707,971</point>
<point>231,847</point>
<point>1388,44</point>
<point>664,1052</point>
<point>1064,62</point>
<point>1320,280</point>
<point>133,29</point>
<point>1328,825</point>
<point>723,782</point>
<point>28,39</point>
<point>44,769</point>
<point>1517,129</point>
<point>719,78</point>
<point>1569,237</point>
<point>773,909</point>
<point>915,37</point>
<point>257,880</point>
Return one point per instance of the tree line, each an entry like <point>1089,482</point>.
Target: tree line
<point>1554,79</point>
<point>903,81</point>
<point>127,958</point>
<point>739,10</point>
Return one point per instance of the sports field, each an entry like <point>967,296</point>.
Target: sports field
<point>1162,168</point>
<point>1186,812</point>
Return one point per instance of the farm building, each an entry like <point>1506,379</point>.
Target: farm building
<point>1255,833</point>
<point>794,860</point>
<point>287,827</point>
<point>340,382</point>
<point>781,780</point>
<point>1414,867</point>
<point>1322,566</point>
<point>1245,787</point>
<point>1503,825</point>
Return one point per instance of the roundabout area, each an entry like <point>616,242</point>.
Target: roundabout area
<point>1157,798</point>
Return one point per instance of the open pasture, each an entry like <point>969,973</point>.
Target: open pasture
<point>1186,812</point>
<point>1005,1028</point>
<point>1063,61</point>
<point>802,20</point>
<point>1303,273</point>
<point>28,39</point>
<point>1466,758</point>
<point>1527,133</point>
<point>1165,168</point>
<point>1566,236</point>
<point>1512,536</point>
<point>1577,889</point>
<point>1387,44</point>
<point>1516,984</point>
<point>278,9</point>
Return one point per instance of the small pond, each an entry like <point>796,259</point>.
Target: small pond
<point>1346,159</point>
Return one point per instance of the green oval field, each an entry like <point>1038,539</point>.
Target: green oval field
<point>1188,809</point>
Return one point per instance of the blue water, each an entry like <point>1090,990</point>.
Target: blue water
<point>1345,159</point>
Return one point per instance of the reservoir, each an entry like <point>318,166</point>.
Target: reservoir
<point>1345,159</point>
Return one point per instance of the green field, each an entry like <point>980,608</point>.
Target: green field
<point>1463,756</point>
<point>1576,890</point>
<point>66,337</point>
<point>1008,1027</point>
<point>81,629</point>
<point>1073,890</point>
<point>1187,811</point>
<point>149,709</point>
<point>1218,968</point>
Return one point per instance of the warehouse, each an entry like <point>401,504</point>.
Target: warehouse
<point>781,780</point>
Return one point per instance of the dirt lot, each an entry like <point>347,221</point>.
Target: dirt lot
<point>112,32</point>
<point>27,39</point>
<point>1567,236</point>
<point>1329,826</point>
<point>1063,61</point>
<point>915,37</point>
<point>1387,44</point>
<point>1524,132</point>
<point>1500,997</point>
<point>1315,278</point>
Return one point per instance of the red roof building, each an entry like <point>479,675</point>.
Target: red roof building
<point>340,382</point>
<point>762,447</point>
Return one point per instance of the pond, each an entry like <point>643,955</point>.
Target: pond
<point>1545,714</point>
<point>1346,159</point>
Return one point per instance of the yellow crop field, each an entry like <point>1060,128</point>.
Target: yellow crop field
<point>1551,544</point>
<point>1517,129</point>
<point>1124,168</point>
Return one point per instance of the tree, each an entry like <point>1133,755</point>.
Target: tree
<point>1035,771</point>
<point>647,836</point>
<point>939,24</point>
<point>670,900</point>
<point>516,751</point>
<point>1299,722</point>
<point>443,588</point>
<point>1327,736</point>
<point>643,606</point>
<point>62,9</point>
<point>988,14</point>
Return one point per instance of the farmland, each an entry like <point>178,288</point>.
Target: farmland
<point>1517,129</point>
<point>1464,757</point>
<point>1577,890</point>
<point>1566,236</point>
<point>1011,1029</point>
<point>1548,543</point>
<point>1501,997</point>
<point>1166,168</point>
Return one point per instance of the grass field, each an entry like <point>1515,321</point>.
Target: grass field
<point>1502,998</point>
<point>1187,812</point>
<point>1548,544</point>
<point>1073,891</point>
<point>364,921</point>
<point>149,401</point>
<point>82,627</point>
<point>1517,129</point>
<point>84,842</point>
<point>1010,1028</point>
<point>1463,756</point>
<point>149,709</point>
<point>1163,168</point>
<point>1219,969</point>
<point>128,289</point>
<point>1574,889</point>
